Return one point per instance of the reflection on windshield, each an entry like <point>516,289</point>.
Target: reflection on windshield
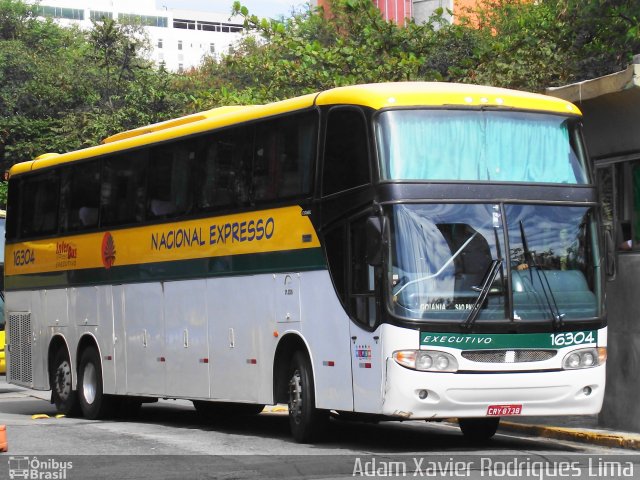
<point>441,255</point>
<point>560,261</point>
<point>447,263</point>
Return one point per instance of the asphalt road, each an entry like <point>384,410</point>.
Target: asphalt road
<point>169,440</point>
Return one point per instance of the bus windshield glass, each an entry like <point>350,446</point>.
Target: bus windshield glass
<point>448,260</point>
<point>480,145</point>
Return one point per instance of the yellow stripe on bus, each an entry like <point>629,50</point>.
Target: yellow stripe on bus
<point>261,231</point>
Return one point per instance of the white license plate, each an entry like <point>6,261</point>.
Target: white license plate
<point>503,410</point>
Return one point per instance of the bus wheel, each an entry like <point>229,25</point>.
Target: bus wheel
<point>477,429</point>
<point>93,402</point>
<point>64,397</point>
<point>307,423</point>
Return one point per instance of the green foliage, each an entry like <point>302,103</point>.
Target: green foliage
<point>534,45</point>
<point>63,89</point>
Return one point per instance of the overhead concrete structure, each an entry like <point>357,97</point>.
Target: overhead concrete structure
<point>611,108</point>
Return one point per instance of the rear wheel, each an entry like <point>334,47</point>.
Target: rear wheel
<point>306,421</point>
<point>478,429</point>
<point>62,394</point>
<point>93,402</point>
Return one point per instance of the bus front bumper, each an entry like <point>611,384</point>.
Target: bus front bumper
<point>426,395</point>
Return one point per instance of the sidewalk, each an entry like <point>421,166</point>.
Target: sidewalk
<point>576,428</point>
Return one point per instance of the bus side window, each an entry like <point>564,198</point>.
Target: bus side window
<point>346,157</point>
<point>122,193</point>
<point>168,185</point>
<point>283,157</point>
<point>362,285</point>
<point>80,197</point>
<point>224,167</point>
<point>40,205</point>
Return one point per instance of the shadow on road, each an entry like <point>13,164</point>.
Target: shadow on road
<point>394,437</point>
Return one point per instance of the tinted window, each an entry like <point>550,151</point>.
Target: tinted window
<point>80,196</point>
<point>346,157</point>
<point>39,205</point>
<point>283,157</point>
<point>168,187</point>
<point>122,197</point>
<point>224,169</point>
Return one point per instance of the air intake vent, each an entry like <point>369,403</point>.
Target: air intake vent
<point>508,356</point>
<point>20,362</point>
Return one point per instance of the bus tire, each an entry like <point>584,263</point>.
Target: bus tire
<point>62,393</point>
<point>307,423</point>
<point>479,429</point>
<point>93,402</point>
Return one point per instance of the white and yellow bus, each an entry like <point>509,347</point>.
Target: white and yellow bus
<point>385,251</point>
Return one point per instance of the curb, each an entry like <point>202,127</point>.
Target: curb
<point>594,437</point>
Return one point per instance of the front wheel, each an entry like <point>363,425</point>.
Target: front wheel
<point>307,423</point>
<point>478,429</point>
<point>62,394</point>
<point>93,402</point>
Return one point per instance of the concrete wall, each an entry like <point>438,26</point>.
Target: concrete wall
<point>611,108</point>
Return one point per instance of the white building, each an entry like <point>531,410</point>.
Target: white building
<point>179,38</point>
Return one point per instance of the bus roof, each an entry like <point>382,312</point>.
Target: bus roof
<point>413,94</point>
<point>376,96</point>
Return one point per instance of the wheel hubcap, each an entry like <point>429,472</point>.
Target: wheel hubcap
<point>295,396</point>
<point>63,380</point>
<point>89,381</point>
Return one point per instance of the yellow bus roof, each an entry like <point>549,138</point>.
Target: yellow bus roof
<point>410,94</point>
<point>376,96</point>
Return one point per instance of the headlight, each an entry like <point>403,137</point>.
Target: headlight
<point>426,360</point>
<point>585,358</point>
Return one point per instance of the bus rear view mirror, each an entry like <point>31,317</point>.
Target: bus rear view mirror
<point>374,230</point>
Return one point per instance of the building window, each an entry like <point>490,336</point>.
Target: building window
<point>159,43</point>
<point>180,68</point>
<point>99,16</point>
<point>179,44</point>
<point>144,20</point>
<point>212,48</point>
<point>58,12</point>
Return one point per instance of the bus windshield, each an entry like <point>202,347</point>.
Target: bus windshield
<point>449,259</point>
<point>480,145</point>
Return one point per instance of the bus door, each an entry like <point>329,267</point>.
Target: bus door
<point>366,347</point>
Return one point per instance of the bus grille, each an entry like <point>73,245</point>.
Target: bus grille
<point>508,356</point>
<point>19,342</point>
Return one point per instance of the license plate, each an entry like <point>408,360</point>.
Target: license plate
<point>503,410</point>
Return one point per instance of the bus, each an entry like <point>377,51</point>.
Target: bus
<point>396,251</point>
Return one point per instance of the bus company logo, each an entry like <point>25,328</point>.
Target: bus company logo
<point>108,250</point>
<point>34,468</point>
<point>66,254</point>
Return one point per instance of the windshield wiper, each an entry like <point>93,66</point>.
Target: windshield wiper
<point>489,277</point>
<point>529,258</point>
